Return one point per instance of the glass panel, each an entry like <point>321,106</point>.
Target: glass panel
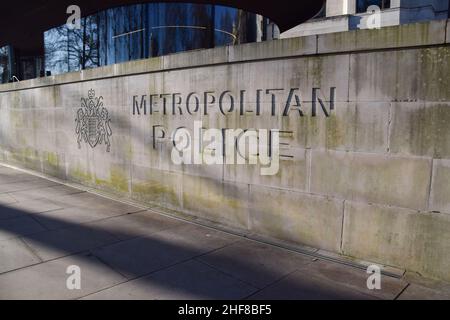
<point>5,73</point>
<point>125,33</point>
<point>56,50</point>
<point>140,31</point>
<point>176,27</point>
<point>227,26</point>
<point>90,50</point>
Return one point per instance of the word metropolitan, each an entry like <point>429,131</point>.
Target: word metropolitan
<point>272,101</point>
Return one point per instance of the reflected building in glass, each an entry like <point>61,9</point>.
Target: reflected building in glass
<point>5,64</point>
<point>146,30</point>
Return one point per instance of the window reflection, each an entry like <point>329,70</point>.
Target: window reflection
<point>140,31</point>
<point>5,74</point>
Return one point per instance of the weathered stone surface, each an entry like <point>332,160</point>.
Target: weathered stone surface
<point>420,129</point>
<point>196,57</point>
<point>447,40</point>
<point>295,217</point>
<point>408,35</point>
<point>336,42</point>
<point>417,240</point>
<point>360,127</point>
<point>220,202</point>
<point>157,187</point>
<point>400,181</point>
<point>293,172</point>
<point>273,49</point>
<point>401,75</point>
<point>440,188</point>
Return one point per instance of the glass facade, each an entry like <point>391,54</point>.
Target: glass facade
<point>146,30</point>
<point>5,64</point>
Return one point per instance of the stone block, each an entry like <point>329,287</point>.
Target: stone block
<point>408,35</point>
<point>418,241</point>
<point>293,173</point>
<point>420,129</point>
<point>273,49</point>
<point>296,217</point>
<point>400,181</point>
<point>217,201</point>
<point>440,187</point>
<point>400,76</point>
<point>196,58</point>
<point>447,40</point>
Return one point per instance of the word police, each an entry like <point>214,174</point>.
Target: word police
<point>272,101</point>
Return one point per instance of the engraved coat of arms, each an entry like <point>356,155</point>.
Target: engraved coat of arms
<point>93,122</point>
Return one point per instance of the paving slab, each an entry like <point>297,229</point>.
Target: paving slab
<point>134,225</point>
<point>191,280</point>
<point>95,202</point>
<point>26,185</point>
<point>14,254</point>
<point>419,292</point>
<point>69,217</point>
<point>355,279</point>
<point>141,256</point>
<point>47,192</point>
<point>194,236</point>
<point>35,206</point>
<point>255,263</point>
<point>49,280</point>
<point>301,285</point>
<point>19,227</point>
<point>63,242</point>
<point>12,176</point>
<point>6,199</point>
<point>6,212</point>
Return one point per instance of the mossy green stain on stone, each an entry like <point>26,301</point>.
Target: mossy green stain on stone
<point>117,182</point>
<point>156,192</point>
<point>81,175</point>
<point>335,132</point>
<point>119,179</point>
<point>52,159</point>
<point>422,131</point>
<point>434,77</point>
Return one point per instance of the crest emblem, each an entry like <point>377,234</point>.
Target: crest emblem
<point>93,122</point>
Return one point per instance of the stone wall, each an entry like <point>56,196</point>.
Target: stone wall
<point>365,175</point>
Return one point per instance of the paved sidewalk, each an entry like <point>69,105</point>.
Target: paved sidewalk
<point>128,253</point>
